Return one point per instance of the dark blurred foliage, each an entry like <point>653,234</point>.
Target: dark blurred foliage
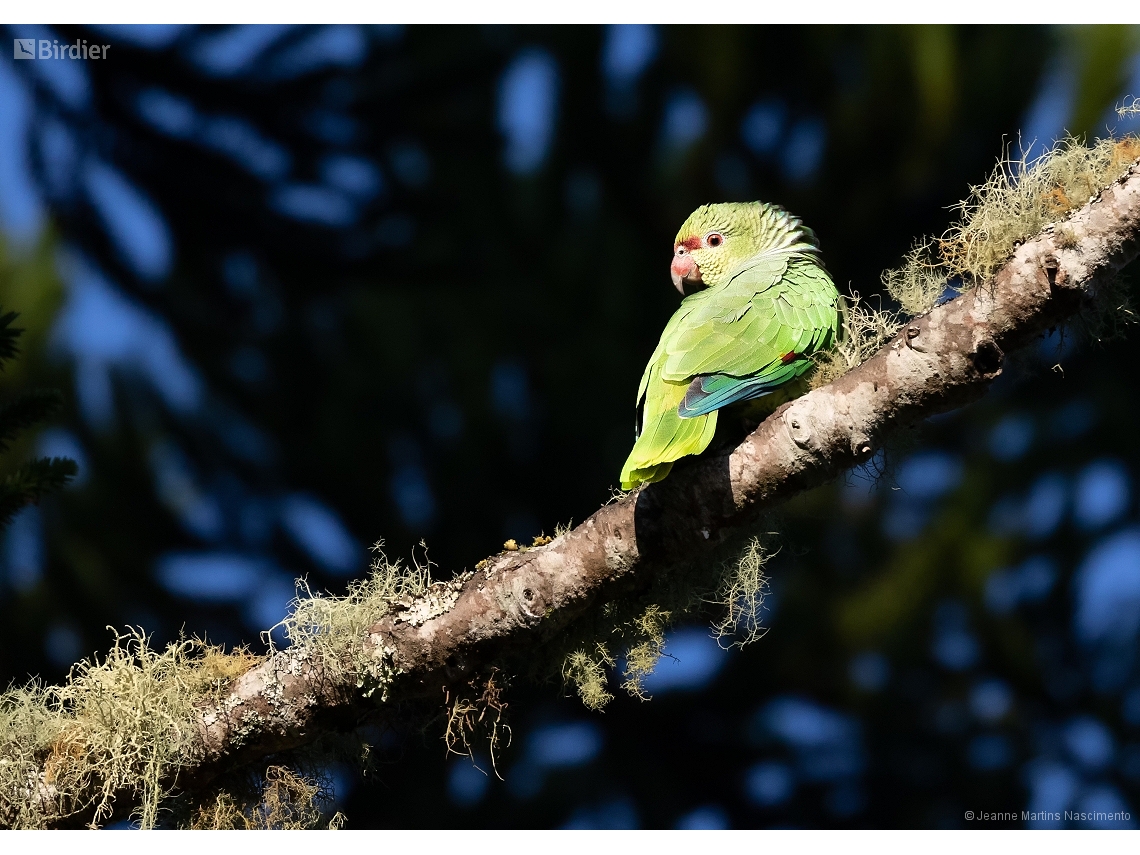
<point>313,287</point>
<point>27,483</point>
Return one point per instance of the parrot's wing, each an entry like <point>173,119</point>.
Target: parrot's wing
<point>680,320</point>
<point>753,336</point>
<point>726,325</point>
<point>687,306</point>
<point>713,391</point>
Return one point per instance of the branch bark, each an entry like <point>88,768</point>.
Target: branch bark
<point>939,361</point>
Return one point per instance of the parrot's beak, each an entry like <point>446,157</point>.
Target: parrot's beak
<point>685,272</point>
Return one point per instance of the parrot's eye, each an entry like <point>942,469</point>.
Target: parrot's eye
<point>714,239</point>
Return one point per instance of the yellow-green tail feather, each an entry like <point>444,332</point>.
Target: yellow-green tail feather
<point>665,436</point>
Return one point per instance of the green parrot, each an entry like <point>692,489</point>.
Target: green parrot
<point>766,305</point>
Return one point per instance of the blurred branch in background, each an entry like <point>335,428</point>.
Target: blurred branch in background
<point>26,483</point>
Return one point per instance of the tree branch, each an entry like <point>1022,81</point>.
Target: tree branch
<point>938,361</point>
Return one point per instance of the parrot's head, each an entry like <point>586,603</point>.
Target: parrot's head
<point>718,241</point>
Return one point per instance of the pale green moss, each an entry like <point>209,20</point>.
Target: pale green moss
<point>1019,199</point>
<point>865,329</point>
<point>334,629</point>
<point>741,595</point>
<point>124,724</point>
<point>634,631</point>
<point>642,657</point>
<point>281,800</point>
<point>1023,196</point>
<point>586,671</point>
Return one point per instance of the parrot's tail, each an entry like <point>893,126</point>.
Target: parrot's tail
<point>631,478</point>
<point>667,438</point>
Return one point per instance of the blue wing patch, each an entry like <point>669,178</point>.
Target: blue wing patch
<point>710,392</point>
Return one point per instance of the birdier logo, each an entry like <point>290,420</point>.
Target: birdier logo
<point>52,49</point>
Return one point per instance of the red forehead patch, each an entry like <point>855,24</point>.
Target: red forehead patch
<point>690,243</point>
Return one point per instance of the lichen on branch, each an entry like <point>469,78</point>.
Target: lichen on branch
<point>1020,197</point>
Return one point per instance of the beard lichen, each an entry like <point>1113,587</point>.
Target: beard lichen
<point>1021,197</point>
<point>585,669</point>
<point>741,593</point>
<point>281,799</point>
<point>122,726</point>
<point>642,657</point>
<point>865,328</point>
<point>334,630</point>
<point>633,631</point>
<point>477,713</point>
